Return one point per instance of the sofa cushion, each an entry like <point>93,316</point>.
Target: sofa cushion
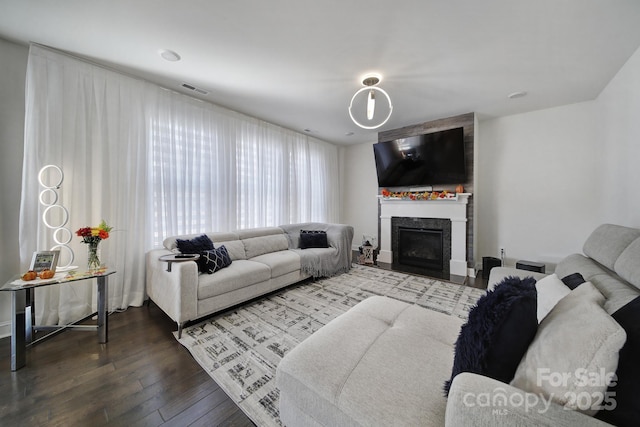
<point>216,259</point>
<point>235,248</point>
<point>626,392</point>
<point>550,290</point>
<point>499,329</point>
<point>238,275</point>
<point>581,264</point>
<point>280,263</point>
<point>256,246</point>
<point>248,233</point>
<point>607,242</point>
<point>374,365</point>
<point>617,293</point>
<point>628,263</point>
<point>576,338</point>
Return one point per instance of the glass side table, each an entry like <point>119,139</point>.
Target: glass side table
<point>23,312</point>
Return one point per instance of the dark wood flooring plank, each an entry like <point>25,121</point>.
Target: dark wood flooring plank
<point>197,410</point>
<point>221,412</point>
<point>141,377</point>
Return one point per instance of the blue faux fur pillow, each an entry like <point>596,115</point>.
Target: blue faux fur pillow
<point>498,331</point>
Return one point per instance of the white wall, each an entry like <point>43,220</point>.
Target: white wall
<point>619,118</point>
<point>360,205</point>
<point>540,181</point>
<point>13,68</point>
<point>549,177</point>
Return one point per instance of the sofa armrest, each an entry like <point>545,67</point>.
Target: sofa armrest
<point>476,400</point>
<point>175,291</point>
<point>340,236</point>
<point>498,274</point>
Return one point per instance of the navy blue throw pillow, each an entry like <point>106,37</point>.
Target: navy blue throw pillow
<point>216,259</point>
<point>498,331</point>
<point>627,387</point>
<point>313,239</point>
<point>197,245</point>
<point>573,280</point>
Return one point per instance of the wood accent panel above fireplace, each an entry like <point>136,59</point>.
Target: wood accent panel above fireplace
<point>467,122</point>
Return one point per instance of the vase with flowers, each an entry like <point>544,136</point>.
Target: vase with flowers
<point>92,236</point>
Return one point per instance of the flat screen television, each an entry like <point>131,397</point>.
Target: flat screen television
<point>429,159</point>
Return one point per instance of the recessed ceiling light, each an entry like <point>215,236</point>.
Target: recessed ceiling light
<point>515,95</point>
<point>169,55</point>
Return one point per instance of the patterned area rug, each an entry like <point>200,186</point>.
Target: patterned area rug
<point>241,348</point>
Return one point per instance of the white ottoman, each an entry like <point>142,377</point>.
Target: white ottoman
<point>382,363</point>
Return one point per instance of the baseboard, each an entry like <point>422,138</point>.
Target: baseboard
<point>5,329</point>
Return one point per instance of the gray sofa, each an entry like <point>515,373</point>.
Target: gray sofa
<point>263,260</point>
<point>384,362</point>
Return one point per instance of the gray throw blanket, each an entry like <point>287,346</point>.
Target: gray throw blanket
<point>323,262</point>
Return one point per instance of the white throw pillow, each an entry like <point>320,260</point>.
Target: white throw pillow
<point>574,352</point>
<point>550,291</point>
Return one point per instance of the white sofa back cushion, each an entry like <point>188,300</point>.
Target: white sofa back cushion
<point>628,263</point>
<point>234,247</point>
<point>607,242</point>
<point>256,246</point>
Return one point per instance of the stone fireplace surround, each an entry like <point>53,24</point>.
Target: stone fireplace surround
<point>453,209</point>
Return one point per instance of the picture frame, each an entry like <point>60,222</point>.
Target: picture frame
<point>44,260</point>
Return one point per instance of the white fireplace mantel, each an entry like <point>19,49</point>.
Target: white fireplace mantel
<point>452,209</point>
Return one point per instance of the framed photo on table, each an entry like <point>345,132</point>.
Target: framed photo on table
<point>44,260</point>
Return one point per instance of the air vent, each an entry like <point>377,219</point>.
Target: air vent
<point>195,89</point>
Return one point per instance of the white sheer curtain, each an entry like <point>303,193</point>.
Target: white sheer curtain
<point>154,163</point>
<point>89,122</point>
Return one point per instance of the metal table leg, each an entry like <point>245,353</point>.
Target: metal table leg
<point>103,287</point>
<point>18,329</point>
<point>30,315</point>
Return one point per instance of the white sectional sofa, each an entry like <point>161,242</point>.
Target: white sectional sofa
<point>263,260</point>
<point>384,362</point>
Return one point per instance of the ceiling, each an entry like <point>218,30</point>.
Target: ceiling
<point>297,63</point>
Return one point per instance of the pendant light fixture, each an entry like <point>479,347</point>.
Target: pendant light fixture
<point>369,90</point>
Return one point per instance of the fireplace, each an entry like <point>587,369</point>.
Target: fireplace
<point>421,245</point>
<point>420,248</point>
<point>455,238</point>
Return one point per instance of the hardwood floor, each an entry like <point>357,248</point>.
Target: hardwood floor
<point>141,377</point>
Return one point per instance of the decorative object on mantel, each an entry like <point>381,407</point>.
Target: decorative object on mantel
<point>419,195</point>
<point>92,236</point>
<point>370,83</point>
<point>459,188</point>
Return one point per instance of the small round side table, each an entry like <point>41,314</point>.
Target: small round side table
<point>171,258</point>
